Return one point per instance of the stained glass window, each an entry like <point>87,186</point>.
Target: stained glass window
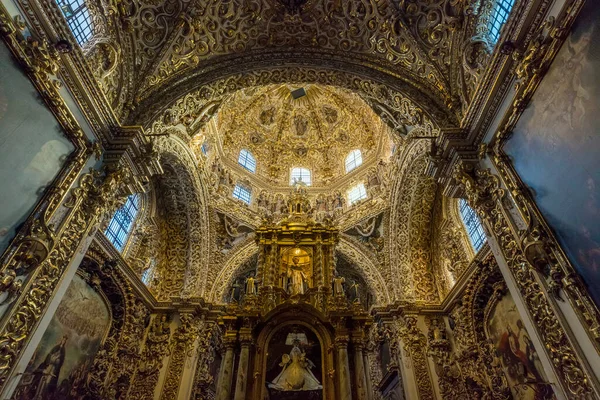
<point>242,193</point>
<point>78,17</point>
<point>300,174</point>
<point>121,224</point>
<point>357,193</point>
<point>472,224</point>
<point>246,160</point>
<point>353,160</point>
<point>499,16</point>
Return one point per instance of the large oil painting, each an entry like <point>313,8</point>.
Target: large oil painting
<point>520,361</point>
<point>33,147</point>
<point>294,366</point>
<point>59,366</point>
<point>556,147</point>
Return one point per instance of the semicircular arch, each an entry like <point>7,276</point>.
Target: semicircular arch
<point>397,102</point>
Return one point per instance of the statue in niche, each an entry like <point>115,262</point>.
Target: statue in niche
<point>356,293</point>
<point>296,277</point>
<point>338,286</point>
<point>250,285</point>
<point>296,374</point>
<point>235,291</point>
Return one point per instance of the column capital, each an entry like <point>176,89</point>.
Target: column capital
<point>342,340</point>
<point>230,339</point>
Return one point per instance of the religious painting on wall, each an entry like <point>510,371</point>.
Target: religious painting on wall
<point>59,366</point>
<point>520,361</point>
<point>294,365</point>
<point>33,146</point>
<point>555,147</point>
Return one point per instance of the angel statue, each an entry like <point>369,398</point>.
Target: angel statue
<point>296,374</point>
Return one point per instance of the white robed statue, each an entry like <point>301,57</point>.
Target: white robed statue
<point>296,373</point>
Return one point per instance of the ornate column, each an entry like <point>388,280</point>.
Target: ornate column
<point>155,350</point>
<point>415,344</point>
<point>360,376</point>
<point>517,262</point>
<point>343,365</point>
<point>226,374</point>
<point>181,345</point>
<point>369,387</point>
<point>241,383</point>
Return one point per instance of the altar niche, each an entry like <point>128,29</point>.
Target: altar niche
<point>295,270</point>
<point>294,365</point>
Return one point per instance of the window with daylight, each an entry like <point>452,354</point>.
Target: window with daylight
<point>357,193</point>
<point>121,224</point>
<point>204,148</point>
<point>353,160</point>
<point>472,224</point>
<point>300,174</point>
<point>242,193</point>
<point>78,17</point>
<point>246,160</point>
<point>498,18</point>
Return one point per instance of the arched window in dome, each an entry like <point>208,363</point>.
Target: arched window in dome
<point>300,174</point>
<point>121,224</point>
<point>78,18</point>
<point>243,193</point>
<point>247,160</point>
<point>353,160</point>
<point>357,193</point>
<point>472,225</point>
<point>498,17</point>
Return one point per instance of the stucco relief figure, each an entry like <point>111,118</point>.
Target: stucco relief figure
<point>296,374</point>
<point>296,277</point>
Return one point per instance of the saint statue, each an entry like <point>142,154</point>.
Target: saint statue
<point>250,286</point>
<point>296,277</point>
<point>338,288</point>
<point>355,286</point>
<point>296,374</point>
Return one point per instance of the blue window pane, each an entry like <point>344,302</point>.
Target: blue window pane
<point>472,225</point>
<point>500,13</point>
<point>121,224</point>
<point>78,18</point>
<point>247,161</point>
<point>242,193</point>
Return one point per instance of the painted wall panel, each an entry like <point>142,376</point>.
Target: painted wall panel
<point>33,147</point>
<point>556,147</point>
